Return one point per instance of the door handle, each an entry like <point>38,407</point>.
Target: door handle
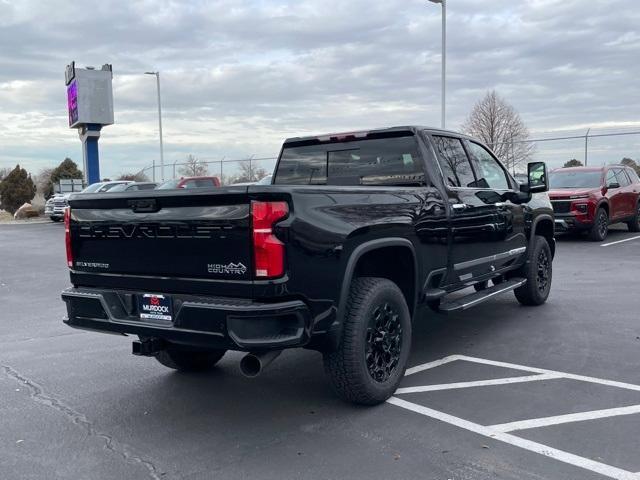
<point>500,204</point>
<point>460,206</point>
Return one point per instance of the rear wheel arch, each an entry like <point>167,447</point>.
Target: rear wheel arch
<point>370,259</point>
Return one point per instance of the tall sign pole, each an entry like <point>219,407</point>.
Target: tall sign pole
<point>90,107</point>
<point>89,136</point>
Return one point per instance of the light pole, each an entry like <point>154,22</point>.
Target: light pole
<point>444,58</point>
<point>586,147</point>
<point>157,74</point>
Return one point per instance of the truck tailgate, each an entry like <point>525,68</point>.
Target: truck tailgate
<point>172,234</point>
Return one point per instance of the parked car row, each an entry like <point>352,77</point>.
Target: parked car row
<point>56,205</point>
<point>590,199</point>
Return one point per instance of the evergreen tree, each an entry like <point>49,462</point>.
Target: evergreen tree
<point>16,189</point>
<point>68,169</point>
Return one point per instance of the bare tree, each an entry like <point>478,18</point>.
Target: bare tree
<point>43,180</point>
<point>193,167</point>
<point>136,177</point>
<point>498,124</point>
<point>248,173</point>
<point>629,162</point>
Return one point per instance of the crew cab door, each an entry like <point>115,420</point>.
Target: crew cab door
<point>487,230</point>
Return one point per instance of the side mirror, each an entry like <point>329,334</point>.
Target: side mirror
<point>613,186</point>
<point>536,178</point>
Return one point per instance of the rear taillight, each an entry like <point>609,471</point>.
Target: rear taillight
<point>268,251</point>
<point>67,236</point>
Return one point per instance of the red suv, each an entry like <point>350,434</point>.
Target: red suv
<point>190,182</point>
<point>590,199</point>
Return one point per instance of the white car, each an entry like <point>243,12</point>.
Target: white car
<point>102,187</point>
<point>56,205</point>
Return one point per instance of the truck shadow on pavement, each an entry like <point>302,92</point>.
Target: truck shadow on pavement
<point>296,379</point>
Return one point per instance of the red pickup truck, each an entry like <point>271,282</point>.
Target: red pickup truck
<point>592,198</point>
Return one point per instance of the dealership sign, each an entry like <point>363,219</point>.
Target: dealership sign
<point>89,95</point>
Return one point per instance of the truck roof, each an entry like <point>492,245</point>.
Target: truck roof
<point>363,133</point>
<point>589,169</point>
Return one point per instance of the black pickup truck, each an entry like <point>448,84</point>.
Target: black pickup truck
<point>359,235</point>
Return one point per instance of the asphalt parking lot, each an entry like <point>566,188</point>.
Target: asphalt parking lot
<point>497,392</point>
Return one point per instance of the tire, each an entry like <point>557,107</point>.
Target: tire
<point>366,368</point>
<point>55,219</point>
<point>539,272</point>
<point>600,227</point>
<point>189,360</point>
<point>634,224</point>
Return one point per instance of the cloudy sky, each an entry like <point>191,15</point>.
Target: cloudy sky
<point>239,76</point>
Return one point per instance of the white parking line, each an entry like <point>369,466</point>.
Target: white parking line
<point>478,383</point>
<point>620,241</point>
<point>571,376</point>
<point>499,432</point>
<point>561,455</point>
<point>427,366</point>
<point>571,417</point>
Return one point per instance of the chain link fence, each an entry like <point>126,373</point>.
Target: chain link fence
<point>229,171</point>
<point>590,146</point>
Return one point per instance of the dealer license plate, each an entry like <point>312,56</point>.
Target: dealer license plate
<point>155,307</point>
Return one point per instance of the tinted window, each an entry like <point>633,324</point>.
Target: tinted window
<point>190,184</point>
<point>119,188</point>
<point>169,185</point>
<point>574,179</point>
<point>375,161</point>
<point>199,183</point>
<point>302,166</point>
<point>611,178</point>
<point>94,187</point>
<point>146,186</point>
<point>454,162</point>
<point>491,174</point>
<point>264,180</point>
<point>623,180</point>
<point>633,176</point>
<point>108,187</point>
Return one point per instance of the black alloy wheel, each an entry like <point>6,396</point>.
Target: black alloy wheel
<point>384,343</point>
<point>538,272</point>
<point>369,362</point>
<point>600,227</point>
<point>543,274</point>
<point>603,224</point>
